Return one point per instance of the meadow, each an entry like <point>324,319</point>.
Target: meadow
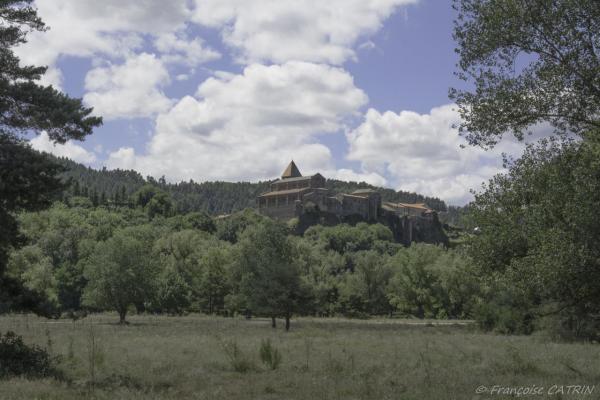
<point>201,357</point>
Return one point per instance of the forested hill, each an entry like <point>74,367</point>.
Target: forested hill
<point>213,197</point>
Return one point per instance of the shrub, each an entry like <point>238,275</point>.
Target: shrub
<point>19,359</point>
<point>269,355</point>
<point>237,359</point>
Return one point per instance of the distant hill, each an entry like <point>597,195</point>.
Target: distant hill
<point>212,197</point>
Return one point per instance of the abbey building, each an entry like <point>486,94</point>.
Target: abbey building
<point>294,194</point>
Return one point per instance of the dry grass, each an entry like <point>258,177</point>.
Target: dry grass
<point>184,357</point>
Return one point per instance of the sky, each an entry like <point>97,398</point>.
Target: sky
<point>233,90</point>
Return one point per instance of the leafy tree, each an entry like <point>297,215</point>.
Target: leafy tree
<point>28,180</point>
<point>144,194</point>
<point>231,227</point>
<point>363,291</point>
<point>344,238</point>
<point>173,292</point>
<point>120,272</point>
<point>530,61</point>
<point>213,283</point>
<point>270,279</point>
<point>540,234</point>
<point>160,204</point>
<point>200,221</point>
<point>34,269</point>
<point>154,200</point>
<point>415,288</point>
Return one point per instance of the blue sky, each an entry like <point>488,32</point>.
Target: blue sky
<point>234,89</point>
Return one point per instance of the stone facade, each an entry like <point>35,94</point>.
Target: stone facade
<point>294,194</point>
<point>307,198</point>
<point>409,210</point>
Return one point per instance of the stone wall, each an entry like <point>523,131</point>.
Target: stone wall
<point>282,212</point>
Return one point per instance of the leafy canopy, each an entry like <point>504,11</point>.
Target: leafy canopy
<point>540,233</point>
<point>529,61</point>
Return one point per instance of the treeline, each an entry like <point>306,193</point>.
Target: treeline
<point>531,261</point>
<point>82,258</point>
<point>214,198</point>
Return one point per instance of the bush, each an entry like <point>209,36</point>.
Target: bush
<point>269,355</point>
<point>502,318</point>
<point>237,359</point>
<point>19,359</point>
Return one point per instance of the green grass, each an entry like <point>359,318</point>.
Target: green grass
<point>191,357</point>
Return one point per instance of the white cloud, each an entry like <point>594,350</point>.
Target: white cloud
<point>182,50</point>
<point>70,150</point>
<point>422,153</point>
<point>348,175</point>
<point>283,30</point>
<point>89,28</point>
<point>249,126</point>
<point>128,90</point>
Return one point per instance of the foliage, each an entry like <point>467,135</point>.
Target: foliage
<point>173,292</point>
<point>19,359</point>
<point>238,360</point>
<point>270,277</point>
<point>539,232</point>
<point>430,282</point>
<point>363,292</point>
<point>212,283</point>
<point>213,198</point>
<point>269,355</point>
<point>344,238</point>
<point>28,180</point>
<point>75,253</point>
<point>531,62</point>
<point>120,272</point>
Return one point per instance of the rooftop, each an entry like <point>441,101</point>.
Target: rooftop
<point>420,206</point>
<point>291,171</point>
<point>299,178</point>
<point>283,192</point>
<point>359,191</point>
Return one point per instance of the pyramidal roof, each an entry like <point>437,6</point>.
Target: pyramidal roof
<point>291,171</point>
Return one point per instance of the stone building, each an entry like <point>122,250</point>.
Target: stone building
<point>409,210</point>
<point>287,193</point>
<point>294,194</point>
<point>308,199</point>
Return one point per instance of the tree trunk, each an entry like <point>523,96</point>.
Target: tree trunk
<point>122,314</point>
<point>273,323</point>
<point>287,323</point>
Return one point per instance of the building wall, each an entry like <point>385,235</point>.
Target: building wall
<point>286,185</point>
<point>365,205</point>
<point>281,212</point>
<point>317,181</point>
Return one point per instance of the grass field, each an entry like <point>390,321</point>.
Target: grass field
<point>194,357</point>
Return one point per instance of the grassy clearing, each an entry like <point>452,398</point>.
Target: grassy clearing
<point>219,358</point>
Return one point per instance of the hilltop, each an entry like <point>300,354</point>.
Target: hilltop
<point>214,198</point>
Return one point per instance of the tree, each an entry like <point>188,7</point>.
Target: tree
<point>540,234</point>
<point>120,272</point>
<point>27,179</point>
<point>173,292</point>
<point>270,278</point>
<point>213,281</point>
<point>530,61</point>
<point>201,221</point>
<point>154,200</point>
<point>160,204</point>
<point>363,291</point>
